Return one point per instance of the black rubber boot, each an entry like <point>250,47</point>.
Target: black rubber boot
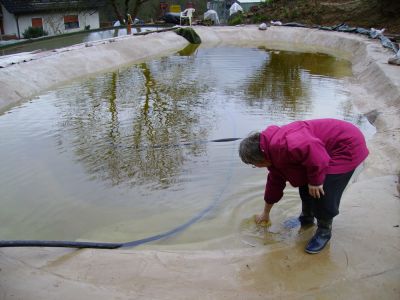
<point>321,237</point>
<point>306,220</point>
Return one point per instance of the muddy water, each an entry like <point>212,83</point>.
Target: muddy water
<point>124,155</point>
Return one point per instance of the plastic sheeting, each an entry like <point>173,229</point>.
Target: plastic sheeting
<point>235,8</point>
<point>211,15</point>
<point>172,18</point>
<point>371,33</point>
<point>263,26</point>
<point>395,60</point>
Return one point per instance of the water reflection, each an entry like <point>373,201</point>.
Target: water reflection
<point>281,79</point>
<point>118,119</point>
<point>189,50</point>
<point>284,81</point>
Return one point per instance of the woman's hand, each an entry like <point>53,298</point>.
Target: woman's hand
<point>262,219</point>
<point>316,191</point>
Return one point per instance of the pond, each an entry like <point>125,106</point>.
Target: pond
<point>127,155</point>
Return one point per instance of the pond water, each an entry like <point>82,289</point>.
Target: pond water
<point>124,155</point>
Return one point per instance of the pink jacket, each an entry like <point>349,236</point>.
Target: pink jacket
<point>303,152</point>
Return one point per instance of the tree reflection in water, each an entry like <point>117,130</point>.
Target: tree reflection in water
<point>116,121</point>
<point>283,83</point>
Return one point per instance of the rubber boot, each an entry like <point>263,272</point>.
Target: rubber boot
<point>321,237</point>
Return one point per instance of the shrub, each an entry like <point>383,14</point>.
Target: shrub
<point>266,3</point>
<point>189,34</point>
<point>236,19</point>
<point>34,32</point>
<point>294,13</point>
<point>258,18</point>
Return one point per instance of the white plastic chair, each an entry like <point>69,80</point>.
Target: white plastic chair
<point>187,14</point>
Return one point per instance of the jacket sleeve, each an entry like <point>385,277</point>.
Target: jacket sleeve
<point>310,152</point>
<point>274,187</point>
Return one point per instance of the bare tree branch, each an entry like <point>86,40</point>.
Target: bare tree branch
<point>127,7</point>
<point>136,8</point>
<point>131,7</point>
<point>117,12</point>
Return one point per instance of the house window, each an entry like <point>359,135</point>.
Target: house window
<point>37,23</point>
<point>71,22</point>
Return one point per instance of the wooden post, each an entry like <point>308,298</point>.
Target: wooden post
<point>129,24</point>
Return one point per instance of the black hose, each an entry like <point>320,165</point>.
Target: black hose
<point>191,143</point>
<point>225,140</point>
<point>63,244</point>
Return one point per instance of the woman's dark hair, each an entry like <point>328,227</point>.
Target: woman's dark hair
<point>249,149</point>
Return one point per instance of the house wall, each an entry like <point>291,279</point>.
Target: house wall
<point>52,23</point>
<point>9,22</point>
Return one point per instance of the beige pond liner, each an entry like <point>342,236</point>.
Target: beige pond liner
<point>362,260</point>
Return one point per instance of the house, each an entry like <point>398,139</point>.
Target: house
<point>54,16</point>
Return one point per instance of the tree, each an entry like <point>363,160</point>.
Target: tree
<point>131,7</point>
<point>117,11</point>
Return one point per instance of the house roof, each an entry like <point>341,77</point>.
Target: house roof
<point>23,6</point>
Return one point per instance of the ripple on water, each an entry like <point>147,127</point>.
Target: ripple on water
<point>283,228</point>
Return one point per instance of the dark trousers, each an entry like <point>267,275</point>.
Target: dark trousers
<point>326,207</point>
